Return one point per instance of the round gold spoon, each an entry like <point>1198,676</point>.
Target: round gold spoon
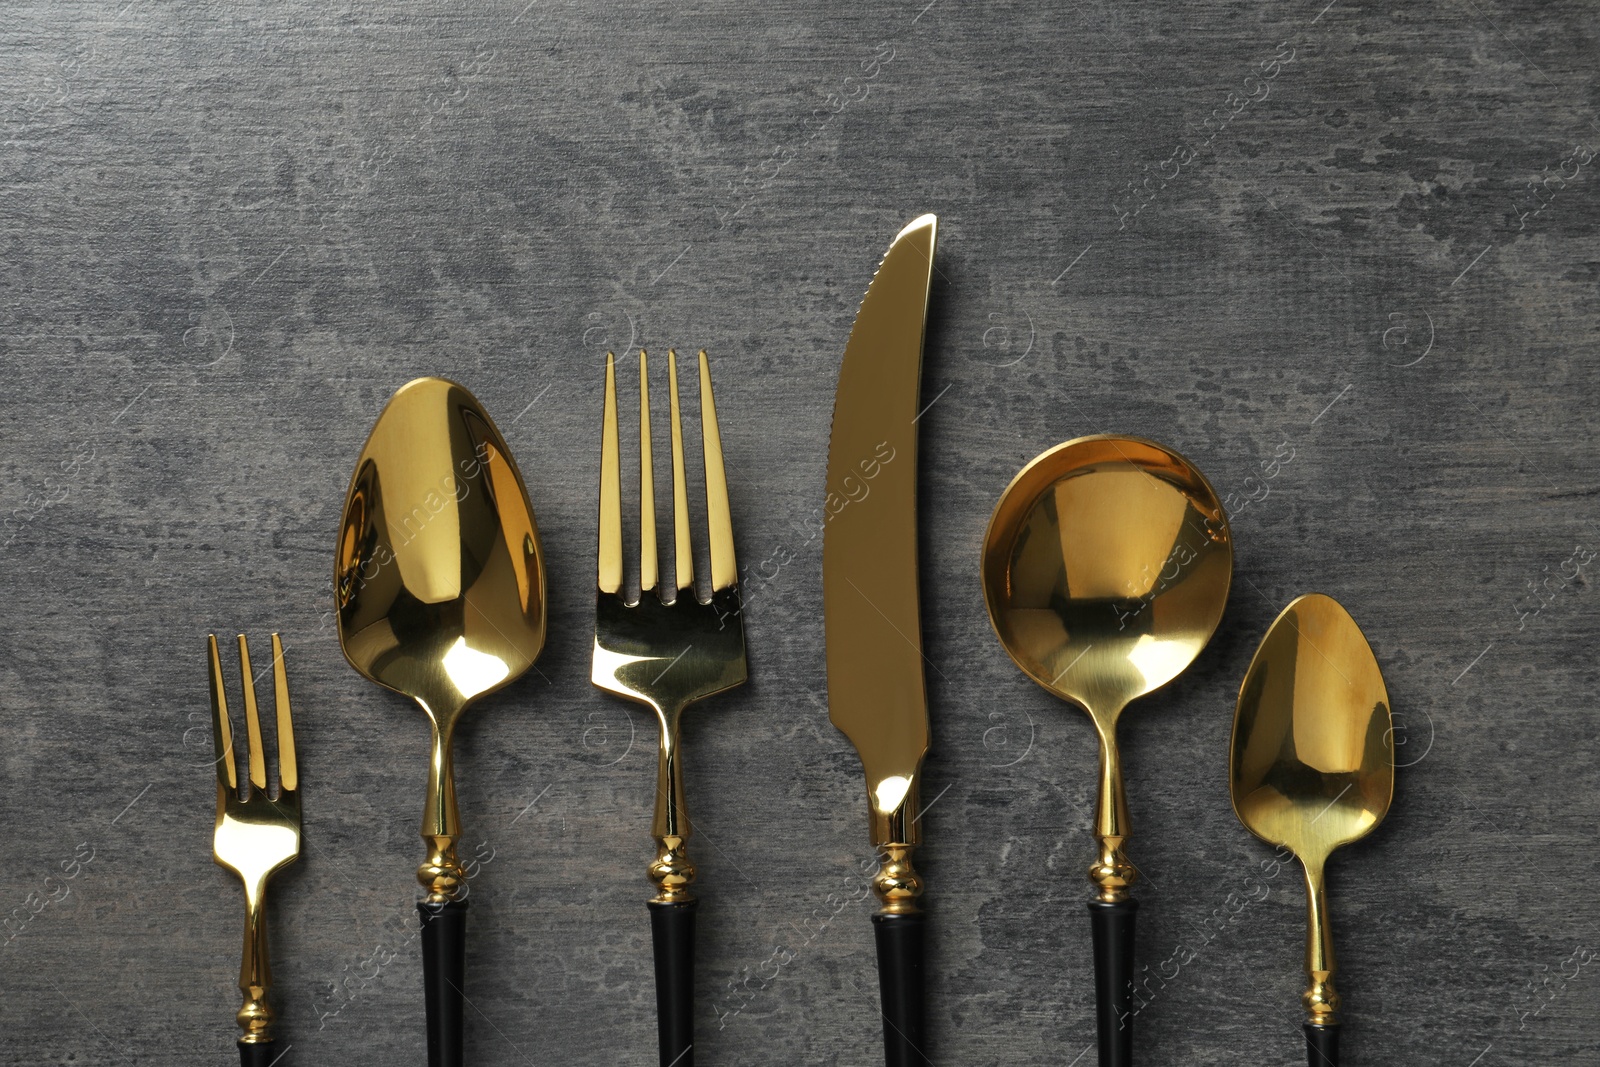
<point>1105,570</point>
<point>1312,767</point>
<point>439,580</point>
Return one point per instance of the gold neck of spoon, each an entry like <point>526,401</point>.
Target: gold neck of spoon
<point>1320,1000</point>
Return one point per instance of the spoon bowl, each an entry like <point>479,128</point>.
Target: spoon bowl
<point>1311,764</point>
<point>1105,569</point>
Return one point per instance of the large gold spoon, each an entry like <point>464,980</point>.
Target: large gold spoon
<point>1312,767</point>
<point>1105,570</point>
<point>439,581</point>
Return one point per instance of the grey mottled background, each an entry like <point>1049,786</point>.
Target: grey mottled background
<point>229,231</point>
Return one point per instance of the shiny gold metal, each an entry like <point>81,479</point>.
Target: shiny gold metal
<point>1106,568</point>
<point>871,611</point>
<point>1311,765</point>
<point>719,518</point>
<point>255,836</point>
<point>660,652</point>
<point>897,884</point>
<point>439,580</point>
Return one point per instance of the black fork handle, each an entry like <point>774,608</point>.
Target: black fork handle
<point>672,934</point>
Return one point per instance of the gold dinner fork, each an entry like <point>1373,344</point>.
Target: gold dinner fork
<point>256,836</point>
<point>667,655</point>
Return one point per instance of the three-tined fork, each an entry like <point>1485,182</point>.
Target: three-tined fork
<point>668,654</point>
<point>255,836</point>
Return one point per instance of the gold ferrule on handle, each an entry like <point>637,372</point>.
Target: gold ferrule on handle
<point>255,973</point>
<point>897,882</point>
<point>1320,1000</point>
<point>672,872</point>
<point>255,1018</point>
<point>1111,873</point>
<point>442,876</point>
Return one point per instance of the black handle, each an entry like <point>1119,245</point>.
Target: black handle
<point>444,975</point>
<point>1112,922</point>
<point>900,985</point>
<point>1322,1045</point>
<point>258,1054</point>
<point>672,933</point>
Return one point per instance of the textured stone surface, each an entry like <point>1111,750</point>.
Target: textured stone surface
<point>229,231</point>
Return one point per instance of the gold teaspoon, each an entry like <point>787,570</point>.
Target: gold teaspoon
<point>1311,767</point>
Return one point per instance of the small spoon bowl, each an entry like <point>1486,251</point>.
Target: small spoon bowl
<point>439,578</point>
<point>1311,763</point>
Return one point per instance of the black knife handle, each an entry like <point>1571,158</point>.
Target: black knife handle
<point>258,1054</point>
<point>444,976</point>
<point>1322,1045</point>
<point>672,933</point>
<point>1112,923</point>
<point>900,985</point>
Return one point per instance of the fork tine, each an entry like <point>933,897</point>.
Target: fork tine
<point>683,568</point>
<point>610,490</point>
<point>252,720</point>
<point>719,521</point>
<point>288,772</point>
<point>221,733</point>
<point>648,560</point>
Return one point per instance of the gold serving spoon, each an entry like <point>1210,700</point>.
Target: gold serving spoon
<point>439,581</point>
<point>1105,570</point>
<point>1312,767</point>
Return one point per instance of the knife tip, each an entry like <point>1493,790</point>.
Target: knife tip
<point>929,221</point>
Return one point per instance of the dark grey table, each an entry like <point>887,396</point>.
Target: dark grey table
<point>1344,257</point>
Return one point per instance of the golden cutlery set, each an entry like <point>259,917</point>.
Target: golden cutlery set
<point>1105,571</point>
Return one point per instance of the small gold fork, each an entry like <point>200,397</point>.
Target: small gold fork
<point>255,836</point>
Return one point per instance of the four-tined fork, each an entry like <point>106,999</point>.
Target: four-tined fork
<point>667,650</point>
<point>255,836</point>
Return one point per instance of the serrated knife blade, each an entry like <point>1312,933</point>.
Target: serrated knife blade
<point>876,693</point>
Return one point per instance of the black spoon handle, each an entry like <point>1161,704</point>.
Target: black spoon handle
<point>258,1054</point>
<point>672,933</point>
<point>444,973</point>
<point>1112,923</point>
<point>1322,1045</point>
<point>900,985</point>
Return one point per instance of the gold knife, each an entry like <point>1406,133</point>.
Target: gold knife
<point>870,606</point>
